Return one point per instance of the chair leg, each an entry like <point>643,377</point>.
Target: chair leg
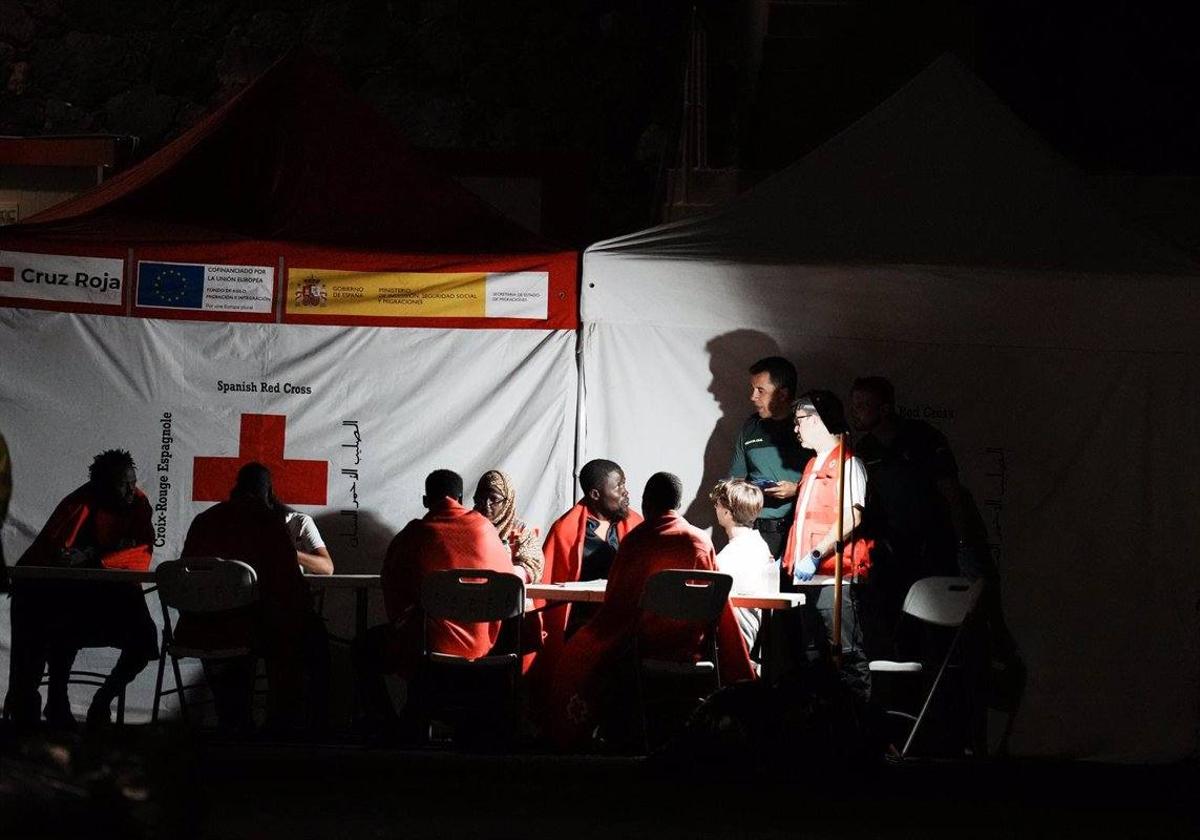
<point>121,707</point>
<point>158,683</point>
<point>179,688</point>
<point>929,699</point>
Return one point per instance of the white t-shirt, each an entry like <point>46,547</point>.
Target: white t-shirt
<point>305,536</point>
<point>856,483</point>
<point>747,558</point>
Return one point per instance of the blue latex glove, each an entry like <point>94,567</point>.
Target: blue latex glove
<point>806,568</point>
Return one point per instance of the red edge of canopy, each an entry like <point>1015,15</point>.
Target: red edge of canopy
<point>562,268</point>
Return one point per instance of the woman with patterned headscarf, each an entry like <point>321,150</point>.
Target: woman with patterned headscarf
<point>496,499</point>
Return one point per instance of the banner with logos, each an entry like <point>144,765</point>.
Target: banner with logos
<point>413,294</point>
<point>350,421</point>
<point>205,288</point>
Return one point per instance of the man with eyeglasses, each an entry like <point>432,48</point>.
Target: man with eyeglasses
<point>819,423</point>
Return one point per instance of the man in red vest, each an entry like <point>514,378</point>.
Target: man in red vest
<point>587,687</point>
<point>812,541</point>
<point>449,536</point>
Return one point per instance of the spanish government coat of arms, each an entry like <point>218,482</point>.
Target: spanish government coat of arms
<point>311,293</point>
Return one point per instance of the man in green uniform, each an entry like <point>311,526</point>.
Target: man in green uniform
<point>766,452</point>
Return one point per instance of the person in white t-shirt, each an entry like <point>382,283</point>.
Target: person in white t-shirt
<point>311,553</point>
<point>746,556</point>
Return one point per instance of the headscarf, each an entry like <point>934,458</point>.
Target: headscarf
<point>505,516</point>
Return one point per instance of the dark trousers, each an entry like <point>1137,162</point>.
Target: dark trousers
<point>373,655</point>
<point>289,672</point>
<point>819,619</point>
<point>45,637</point>
<point>774,533</point>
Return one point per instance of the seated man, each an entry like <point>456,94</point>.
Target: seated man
<point>104,523</point>
<point>281,626</point>
<point>812,540</point>
<point>581,545</point>
<point>449,536</point>
<point>586,688</point>
<point>746,556</point>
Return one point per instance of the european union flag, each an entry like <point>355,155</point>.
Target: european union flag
<point>175,285</point>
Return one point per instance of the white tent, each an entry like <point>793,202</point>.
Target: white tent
<point>939,242</point>
<point>287,282</point>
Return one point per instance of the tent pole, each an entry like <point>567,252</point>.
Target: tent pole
<point>839,552</point>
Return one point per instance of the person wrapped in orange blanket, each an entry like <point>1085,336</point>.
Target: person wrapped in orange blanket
<point>580,545</point>
<point>449,536</point>
<point>104,523</point>
<point>587,689</point>
<point>281,626</point>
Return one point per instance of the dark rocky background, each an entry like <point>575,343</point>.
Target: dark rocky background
<point>1111,84</point>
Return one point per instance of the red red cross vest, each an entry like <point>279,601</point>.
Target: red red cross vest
<point>820,517</point>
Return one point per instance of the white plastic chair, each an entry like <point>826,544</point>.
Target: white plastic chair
<point>941,601</point>
<point>468,596</point>
<point>689,595</point>
<point>198,585</point>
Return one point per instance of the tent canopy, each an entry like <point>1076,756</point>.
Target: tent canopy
<point>941,173</point>
<point>295,156</point>
<point>939,242</point>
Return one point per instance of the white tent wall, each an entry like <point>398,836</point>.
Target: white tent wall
<point>468,400</point>
<point>1069,401</point>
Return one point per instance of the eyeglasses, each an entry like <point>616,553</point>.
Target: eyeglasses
<point>804,416</point>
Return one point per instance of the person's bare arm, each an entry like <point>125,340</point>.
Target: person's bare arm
<point>316,562</point>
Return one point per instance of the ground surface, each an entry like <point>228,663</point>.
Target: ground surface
<point>145,782</point>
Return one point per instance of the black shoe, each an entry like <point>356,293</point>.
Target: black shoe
<point>99,715</point>
<point>59,716</point>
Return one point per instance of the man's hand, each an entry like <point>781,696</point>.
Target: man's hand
<point>76,557</point>
<point>781,490</point>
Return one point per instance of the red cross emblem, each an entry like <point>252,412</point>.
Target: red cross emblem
<point>295,482</point>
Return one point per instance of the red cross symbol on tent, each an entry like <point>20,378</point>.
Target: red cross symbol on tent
<point>262,438</point>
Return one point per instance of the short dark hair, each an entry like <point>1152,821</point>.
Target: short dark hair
<point>594,472</point>
<point>254,482</point>
<point>109,465</point>
<point>664,491</point>
<point>878,386</point>
<point>781,371</point>
<point>827,406</point>
<point>443,484</point>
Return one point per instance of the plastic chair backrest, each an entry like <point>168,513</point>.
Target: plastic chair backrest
<point>472,595</point>
<point>206,584</point>
<point>687,594</point>
<point>945,601</point>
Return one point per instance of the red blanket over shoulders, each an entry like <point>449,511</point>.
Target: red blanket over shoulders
<point>80,521</point>
<point>450,536</point>
<point>237,530</point>
<point>666,542</point>
<point>563,551</point>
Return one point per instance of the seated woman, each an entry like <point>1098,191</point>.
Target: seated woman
<point>105,523</point>
<point>496,499</point>
<point>746,556</point>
